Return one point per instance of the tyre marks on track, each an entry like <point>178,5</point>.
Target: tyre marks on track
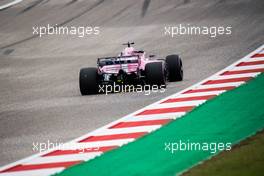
<point>34,4</point>
<point>145,7</point>
<point>58,25</point>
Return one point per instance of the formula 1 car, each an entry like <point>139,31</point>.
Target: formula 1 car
<point>130,67</point>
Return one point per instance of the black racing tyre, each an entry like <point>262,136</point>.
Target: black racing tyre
<point>155,73</point>
<point>88,81</point>
<point>174,68</point>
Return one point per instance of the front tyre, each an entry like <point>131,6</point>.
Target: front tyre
<point>174,67</point>
<point>88,81</point>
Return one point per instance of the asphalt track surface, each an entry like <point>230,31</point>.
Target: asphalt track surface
<point>39,93</point>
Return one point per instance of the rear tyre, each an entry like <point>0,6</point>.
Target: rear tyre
<point>88,81</point>
<point>155,73</point>
<point>174,67</point>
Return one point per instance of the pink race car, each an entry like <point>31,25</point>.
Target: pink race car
<point>130,67</point>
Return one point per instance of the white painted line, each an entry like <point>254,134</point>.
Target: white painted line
<point>206,86</point>
<point>116,142</point>
<point>63,158</point>
<point>155,117</point>
<point>177,104</point>
<point>37,172</point>
<point>247,67</point>
<point>10,4</point>
<point>235,76</point>
<point>200,93</point>
<point>256,59</point>
<point>148,128</point>
<point>261,52</point>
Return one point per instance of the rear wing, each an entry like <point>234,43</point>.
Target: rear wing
<point>117,60</point>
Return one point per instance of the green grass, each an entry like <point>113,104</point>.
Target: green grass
<point>246,158</point>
